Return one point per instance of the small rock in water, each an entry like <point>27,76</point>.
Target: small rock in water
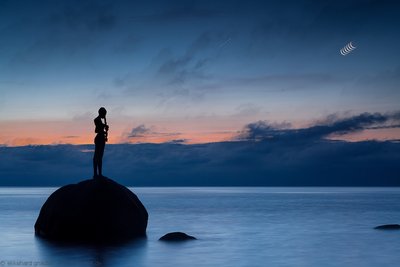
<point>388,227</point>
<point>176,236</point>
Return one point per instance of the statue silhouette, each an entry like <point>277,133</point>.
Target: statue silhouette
<point>100,142</point>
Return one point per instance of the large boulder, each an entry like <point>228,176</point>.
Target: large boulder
<point>96,210</point>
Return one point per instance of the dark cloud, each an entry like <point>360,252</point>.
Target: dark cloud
<point>43,164</point>
<point>245,163</point>
<point>139,131</point>
<point>143,131</point>
<point>322,129</point>
<point>178,141</point>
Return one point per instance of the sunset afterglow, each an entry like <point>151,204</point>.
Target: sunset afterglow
<point>190,73</point>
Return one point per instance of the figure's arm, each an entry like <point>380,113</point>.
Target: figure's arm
<point>99,125</point>
<point>105,123</point>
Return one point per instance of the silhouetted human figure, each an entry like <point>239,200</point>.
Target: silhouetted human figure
<point>100,142</point>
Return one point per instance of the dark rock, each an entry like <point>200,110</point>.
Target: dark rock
<point>388,227</point>
<point>96,210</point>
<point>176,236</point>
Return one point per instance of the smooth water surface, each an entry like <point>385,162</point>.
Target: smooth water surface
<point>234,227</point>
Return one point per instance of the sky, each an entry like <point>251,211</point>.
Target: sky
<point>194,71</point>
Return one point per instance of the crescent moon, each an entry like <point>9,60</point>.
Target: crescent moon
<point>351,47</point>
<point>347,49</point>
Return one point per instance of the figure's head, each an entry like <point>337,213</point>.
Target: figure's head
<point>102,112</point>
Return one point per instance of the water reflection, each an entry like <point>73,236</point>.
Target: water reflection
<point>64,254</point>
<point>234,228</point>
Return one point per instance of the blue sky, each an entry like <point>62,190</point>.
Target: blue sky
<point>187,75</point>
<point>198,68</point>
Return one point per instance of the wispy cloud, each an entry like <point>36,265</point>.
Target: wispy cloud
<point>139,131</point>
<point>143,134</point>
<point>184,76</point>
<point>178,141</point>
<point>247,109</point>
<point>70,136</point>
<point>331,125</point>
<point>177,69</point>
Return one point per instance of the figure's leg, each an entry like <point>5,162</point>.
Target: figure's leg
<point>100,159</point>
<point>94,166</point>
<point>95,160</point>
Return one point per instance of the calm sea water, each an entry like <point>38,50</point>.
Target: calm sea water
<point>234,227</point>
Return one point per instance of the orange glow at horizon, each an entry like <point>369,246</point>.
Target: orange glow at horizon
<point>21,133</point>
<point>370,134</point>
<point>194,138</point>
